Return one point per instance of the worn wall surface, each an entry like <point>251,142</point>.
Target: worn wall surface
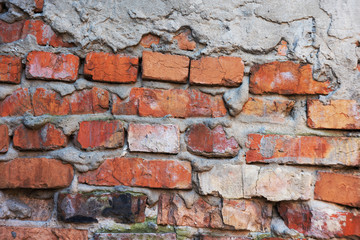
<point>179,119</point>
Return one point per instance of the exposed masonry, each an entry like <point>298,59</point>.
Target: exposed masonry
<point>179,120</point>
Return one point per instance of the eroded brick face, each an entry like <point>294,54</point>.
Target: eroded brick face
<point>285,78</point>
<point>51,66</point>
<point>16,104</point>
<point>4,138</point>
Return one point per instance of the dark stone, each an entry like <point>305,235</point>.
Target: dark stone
<point>87,207</point>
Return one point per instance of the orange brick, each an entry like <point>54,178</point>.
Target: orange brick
<point>221,71</point>
<point>338,114</point>
<point>107,67</point>
<point>338,188</point>
<point>285,78</point>
<point>184,42</point>
<point>149,39</point>
<point>165,67</point>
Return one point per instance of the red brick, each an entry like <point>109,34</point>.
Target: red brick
<point>165,67</point>
<point>329,185</point>
<point>51,66</point>
<point>43,33</point>
<point>144,173</point>
<point>89,207</point>
<point>153,138</point>
<point>303,150</point>
<point>39,4</point>
<point>274,110</point>
<point>202,140</point>
<point>253,215</point>
<point>217,71</point>
<point>296,215</point>
<point>322,222</point>
<point>35,173</point>
<point>285,78</point>
<point>10,69</point>
<point>223,238</point>
<point>29,233</point>
<point>184,42</point>
<point>10,32</point>
<point>46,138</point>
<point>107,67</point>
<point>17,104</point>
<point>149,39</point>
<point>4,138</point>
<point>100,134</point>
<point>338,114</point>
<point>88,101</point>
<point>172,210</point>
<point>177,103</point>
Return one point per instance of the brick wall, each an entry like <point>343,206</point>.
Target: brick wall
<point>97,145</point>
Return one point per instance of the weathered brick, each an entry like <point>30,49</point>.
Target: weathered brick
<point>285,78</point>
<point>282,48</point>
<point>303,150</point>
<point>282,183</point>
<point>236,181</point>
<point>217,71</point>
<point>107,67</point>
<point>100,134</point>
<point>46,138</point>
<point>35,173</point>
<point>43,33</point>
<point>17,104</point>
<point>7,232</point>
<point>338,188</point>
<point>51,66</point>
<point>201,140</point>
<point>24,204</point>
<point>337,114</point>
<point>4,138</point>
<point>324,221</point>
<point>184,42</point>
<point>10,69</point>
<point>268,110</point>
<point>172,210</point>
<point>124,107</point>
<point>252,215</point>
<point>177,103</point>
<point>88,101</point>
<point>88,207</point>
<point>165,67</point>
<point>144,173</point>
<point>10,32</point>
<point>135,236</point>
<point>149,39</point>
<point>153,138</point>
